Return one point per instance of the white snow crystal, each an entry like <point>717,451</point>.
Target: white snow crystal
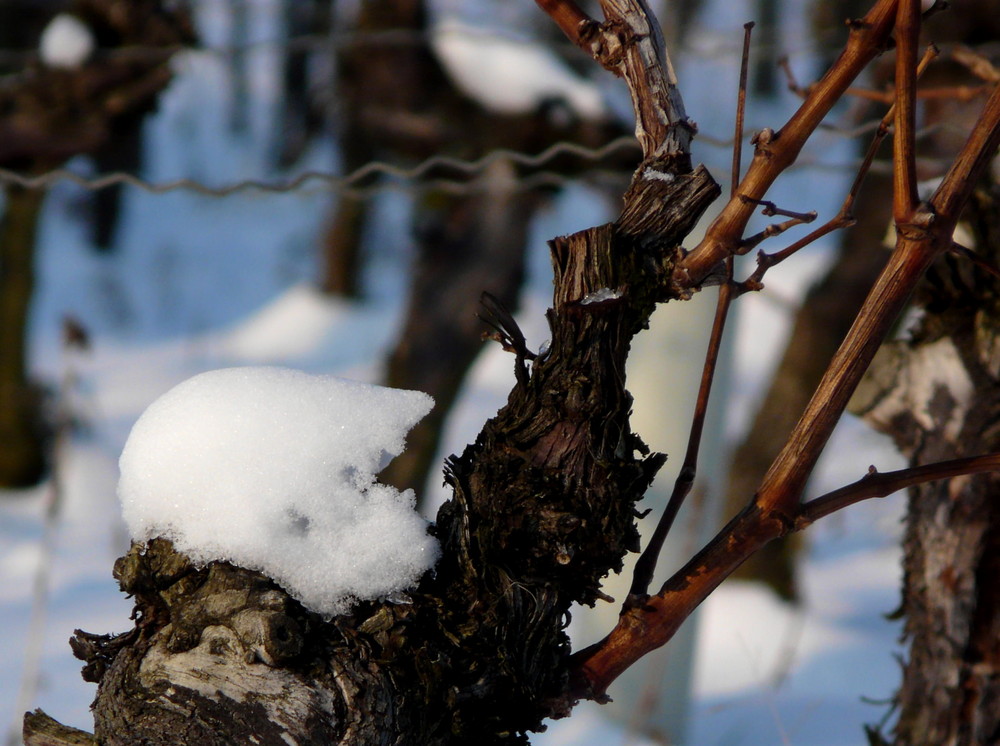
<point>274,470</point>
<point>600,295</point>
<point>511,76</point>
<point>653,175</point>
<point>66,42</point>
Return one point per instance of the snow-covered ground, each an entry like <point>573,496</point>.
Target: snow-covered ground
<point>203,283</point>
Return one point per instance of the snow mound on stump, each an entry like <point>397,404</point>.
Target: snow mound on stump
<point>274,470</point>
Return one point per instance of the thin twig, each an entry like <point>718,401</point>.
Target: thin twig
<point>904,170</point>
<point>877,484</point>
<point>961,93</point>
<point>776,506</point>
<point>980,261</point>
<point>777,151</point>
<point>790,80</point>
<point>765,261</point>
<point>977,64</point>
<point>645,566</point>
<point>771,210</point>
<point>775,229</point>
<point>741,104</point>
<point>979,150</point>
<point>845,216</point>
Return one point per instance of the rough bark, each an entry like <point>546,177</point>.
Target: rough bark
<point>544,500</point>
<point>543,509</point>
<point>41,730</point>
<point>951,599</point>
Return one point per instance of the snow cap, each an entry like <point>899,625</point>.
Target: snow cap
<point>274,469</point>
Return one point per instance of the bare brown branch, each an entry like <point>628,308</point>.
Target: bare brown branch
<point>629,44</point>
<point>784,482</point>
<point>741,105</point>
<point>776,507</point>
<point>645,566</point>
<point>775,229</point>
<point>632,47</point>
<point>904,166</point>
<point>876,484</point>
<point>778,150</point>
<point>845,216</point>
<point>570,18</point>
<point>979,150</point>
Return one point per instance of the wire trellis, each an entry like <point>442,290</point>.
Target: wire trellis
<point>827,41</point>
<point>388,176</point>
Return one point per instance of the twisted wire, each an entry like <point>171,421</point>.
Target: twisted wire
<point>388,176</point>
